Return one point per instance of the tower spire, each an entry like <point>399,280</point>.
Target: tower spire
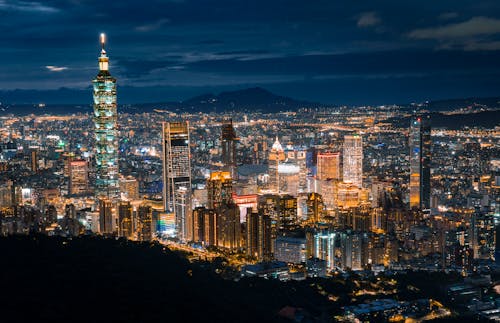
<point>103,42</point>
<point>103,59</point>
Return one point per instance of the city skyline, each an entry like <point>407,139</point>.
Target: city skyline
<point>327,52</point>
<point>277,209</point>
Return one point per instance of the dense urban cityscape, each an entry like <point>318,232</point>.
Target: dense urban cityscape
<point>361,194</point>
<point>249,161</point>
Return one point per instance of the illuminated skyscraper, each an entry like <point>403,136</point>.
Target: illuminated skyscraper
<point>125,221</point>
<point>258,235</point>
<point>353,159</point>
<point>229,141</point>
<point>420,158</point>
<point>106,130</point>
<point>105,216</point>
<point>78,177</point>
<point>328,166</point>
<point>144,228</point>
<point>219,189</point>
<point>276,156</point>
<point>177,175</point>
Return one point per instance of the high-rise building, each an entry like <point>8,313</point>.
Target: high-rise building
<point>204,226</point>
<point>228,226</point>
<point>353,159</point>
<point>177,175</point>
<point>78,177</point>
<point>290,248</point>
<point>328,166</point>
<point>282,209</point>
<point>260,151</point>
<point>129,187</point>
<point>219,189</point>
<point>105,216</point>
<point>125,221</point>
<point>289,178</point>
<point>315,207</point>
<point>106,129</point>
<point>258,235</point>
<point>276,156</point>
<point>144,223</point>
<point>229,141</point>
<point>420,159</point>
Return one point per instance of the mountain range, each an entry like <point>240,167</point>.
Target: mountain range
<point>249,99</point>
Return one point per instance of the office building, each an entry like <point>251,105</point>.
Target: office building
<point>129,188</point>
<point>420,158</point>
<point>125,220</point>
<point>106,225</point>
<point>78,177</point>
<point>219,189</point>
<point>177,175</point>
<point>353,159</point>
<point>328,166</point>
<point>144,226</point>
<point>229,141</point>
<point>258,236</point>
<point>276,156</point>
<point>106,129</point>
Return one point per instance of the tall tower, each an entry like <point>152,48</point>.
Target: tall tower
<point>276,156</point>
<point>229,141</point>
<point>177,175</point>
<point>420,159</point>
<point>106,129</point>
<point>353,159</point>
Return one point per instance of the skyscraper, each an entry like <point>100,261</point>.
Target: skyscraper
<point>258,235</point>
<point>229,141</point>
<point>177,175</point>
<point>105,216</point>
<point>353,159</point>
<point>144,223</point>
<point>328,166</point>
<point>219,189</point>
<point>78,177</point>
<point>125,221</point>
<point>276,156</point>
<point>420,158</point>
<point>106,130</point>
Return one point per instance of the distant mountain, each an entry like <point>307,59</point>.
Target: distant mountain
<point>251,99</point>
<point>453,104</point>
<point>484,119</point>
<point>247,99</point>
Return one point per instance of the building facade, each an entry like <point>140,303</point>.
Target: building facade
<point>105,129</point>
<point>177,175</point>
<point>420,158</point>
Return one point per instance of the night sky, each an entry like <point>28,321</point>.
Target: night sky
<point>341,52</point>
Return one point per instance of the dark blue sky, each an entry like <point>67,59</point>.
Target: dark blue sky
<point>344,52</point>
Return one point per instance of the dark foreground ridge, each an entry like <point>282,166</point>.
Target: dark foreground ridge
<point>94,279</point>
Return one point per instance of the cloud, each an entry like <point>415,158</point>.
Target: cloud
<point>476,26</point>
<point>26,6</point>
<point>154,26</point>
<point>53,68</point>
<point>368,19</point>
<point>493,45</point>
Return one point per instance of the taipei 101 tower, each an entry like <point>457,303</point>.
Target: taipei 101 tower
<point>106,130</point>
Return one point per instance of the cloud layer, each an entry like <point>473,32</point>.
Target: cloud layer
<point>280,44</point>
